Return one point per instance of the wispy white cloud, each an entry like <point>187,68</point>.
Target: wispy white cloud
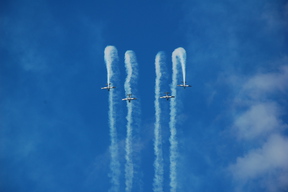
<point>268,163</point>
<point>262,122</point>
<point>259,120</point>
<point>263,85</point>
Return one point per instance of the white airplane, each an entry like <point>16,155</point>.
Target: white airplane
<point>129,98</point>
<point>184,85</point>
<point>108,87</point>
<point>167,96</point>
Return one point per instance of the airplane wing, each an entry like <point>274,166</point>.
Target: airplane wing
<point>129,99</point>
<point>184,86</point>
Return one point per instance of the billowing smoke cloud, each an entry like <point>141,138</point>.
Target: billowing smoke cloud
<point>131,80</point>
<point>178,57</point>
<point>158,163</point>
<point>111,59</point>
<point>262,123</point>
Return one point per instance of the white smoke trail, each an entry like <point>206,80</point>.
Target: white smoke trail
<point>111,58</point>
<point>132,74</point>
<point>182,58</point>
<point>158,162</point>
<point>178,55</point>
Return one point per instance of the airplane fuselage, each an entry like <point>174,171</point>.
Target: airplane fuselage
<point>184,85</point>
<point>129,99</point>
<point>167,97</point>
<point>108,88</point>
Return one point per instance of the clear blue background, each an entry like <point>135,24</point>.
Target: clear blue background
<point>54,133</point>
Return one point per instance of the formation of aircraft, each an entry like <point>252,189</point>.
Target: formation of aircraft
<point>129,98</point>
<point>167,96</point>
<point>184,85</point>
<point>108,87</point>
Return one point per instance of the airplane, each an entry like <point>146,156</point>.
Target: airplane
<point>184,85</point>
<point>129,98</point>
<point>108,87</point>
<point>167,96</point>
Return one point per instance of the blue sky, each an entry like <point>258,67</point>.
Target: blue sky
<point>232,124</point>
